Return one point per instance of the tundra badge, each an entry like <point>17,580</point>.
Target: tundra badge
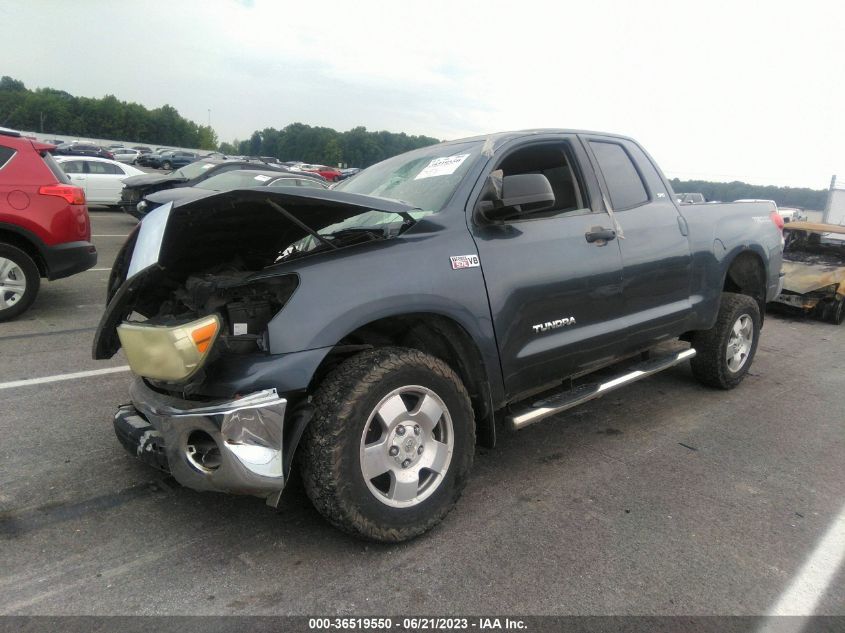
<point>553,325</point>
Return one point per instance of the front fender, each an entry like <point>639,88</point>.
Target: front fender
<point>342,291</point>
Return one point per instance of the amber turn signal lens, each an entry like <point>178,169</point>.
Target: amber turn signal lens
<point>203,336</point>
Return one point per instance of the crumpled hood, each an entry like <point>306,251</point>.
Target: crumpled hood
<point>145,180</point>
<point>178,194</point>
<point>801,277</point>
<point>187,237</point>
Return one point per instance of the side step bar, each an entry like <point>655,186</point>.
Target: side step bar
<point>557,403</point>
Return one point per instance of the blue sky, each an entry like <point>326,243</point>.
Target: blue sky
<point>715,90</point>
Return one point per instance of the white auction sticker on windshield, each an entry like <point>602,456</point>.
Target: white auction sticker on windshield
<point>262,178</point>
<point>442,166</point>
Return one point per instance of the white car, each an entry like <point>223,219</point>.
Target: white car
<point>102,179</point>
<point>126,155</point>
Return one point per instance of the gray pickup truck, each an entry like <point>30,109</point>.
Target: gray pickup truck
<point>373,333</point>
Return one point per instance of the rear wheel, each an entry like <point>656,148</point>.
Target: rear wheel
<point>837,311</point>
<point>725,351</point>
<point>19,281</point>
<point>391,444</point>
<point>166,165</point>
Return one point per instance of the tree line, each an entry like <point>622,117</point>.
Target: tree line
<point>51,111</point>
<point>802,197</point>
<point>322,145</point>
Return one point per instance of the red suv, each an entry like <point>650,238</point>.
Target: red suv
<point>44,226</point>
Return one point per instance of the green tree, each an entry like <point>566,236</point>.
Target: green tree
<point>207,137</point>
<point>55,111</point>
<point>802,197</point>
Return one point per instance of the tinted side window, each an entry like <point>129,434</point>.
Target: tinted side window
<point>73,166</point>
<point>103,168</point>
<point>555,161</point>
<point>307,182</point>
<point>624,184</point>
<point>6,153</point>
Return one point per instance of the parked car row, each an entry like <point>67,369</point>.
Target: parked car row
<point>227,180</point>
<point>135,195</point>
<point>329,173</point>
<point>82,149</point>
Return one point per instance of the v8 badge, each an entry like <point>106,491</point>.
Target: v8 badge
<point>464,261</point>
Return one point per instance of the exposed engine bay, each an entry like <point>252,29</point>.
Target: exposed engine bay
<point>225,255</point>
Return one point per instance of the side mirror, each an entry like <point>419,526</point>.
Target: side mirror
<point>515,195</point>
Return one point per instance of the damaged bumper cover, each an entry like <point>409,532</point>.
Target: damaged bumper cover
<point>233,446</point>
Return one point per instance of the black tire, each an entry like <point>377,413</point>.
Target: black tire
<point>837,311</point>
<point>330,457</point>
<point>166,165</point>
<point>31,276</point>
<point>710,365</point>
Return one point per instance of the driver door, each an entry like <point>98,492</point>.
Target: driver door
<point>555,297</point>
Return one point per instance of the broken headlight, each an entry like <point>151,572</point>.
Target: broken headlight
<point>169,353</point>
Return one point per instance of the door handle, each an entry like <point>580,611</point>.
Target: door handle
<point>599,235</point>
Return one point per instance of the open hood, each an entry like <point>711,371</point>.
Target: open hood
<point>191,237</point>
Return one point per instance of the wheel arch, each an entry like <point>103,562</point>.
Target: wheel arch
<point>434,334</point>
<point>746,274</point>
<point>20,239</point>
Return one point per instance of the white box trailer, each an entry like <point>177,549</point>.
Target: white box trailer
<point>834,210</point>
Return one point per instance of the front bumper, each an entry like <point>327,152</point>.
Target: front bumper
<point>233,446</point>
<point>802,302</point>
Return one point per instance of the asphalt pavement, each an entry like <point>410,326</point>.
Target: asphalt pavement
<point>662,498</point>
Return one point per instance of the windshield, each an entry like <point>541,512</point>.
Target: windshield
<point>425,178</point>
<point>363,227</point>
<point>192,170</point>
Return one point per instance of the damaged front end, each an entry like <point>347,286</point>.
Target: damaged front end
<point>234,446</point>
<point>814,270</point>
<point>190,297</point>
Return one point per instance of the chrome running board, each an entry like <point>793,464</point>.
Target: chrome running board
<point>522,417</point>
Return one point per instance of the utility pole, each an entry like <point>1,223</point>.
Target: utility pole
<point>41,114</point>
<point>209,117</point>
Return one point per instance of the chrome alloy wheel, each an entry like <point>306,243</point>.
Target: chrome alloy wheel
<point>12,283</point>
<point>407,446</point>
<point>739,342</point>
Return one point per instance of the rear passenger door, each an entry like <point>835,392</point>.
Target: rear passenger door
<point>75,169</point>
<point>104,182</point>
<point>656,261</point>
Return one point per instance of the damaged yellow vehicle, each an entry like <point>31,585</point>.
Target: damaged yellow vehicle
<point>814,269</point>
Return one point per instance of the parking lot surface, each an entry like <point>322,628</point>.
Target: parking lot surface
<point>662,498</point>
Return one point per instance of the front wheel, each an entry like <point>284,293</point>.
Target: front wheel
<point>834,311</point>
<point>19,281</point>
<point>725,351</point>
<point>390,447</point>
<point>166,165</point>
